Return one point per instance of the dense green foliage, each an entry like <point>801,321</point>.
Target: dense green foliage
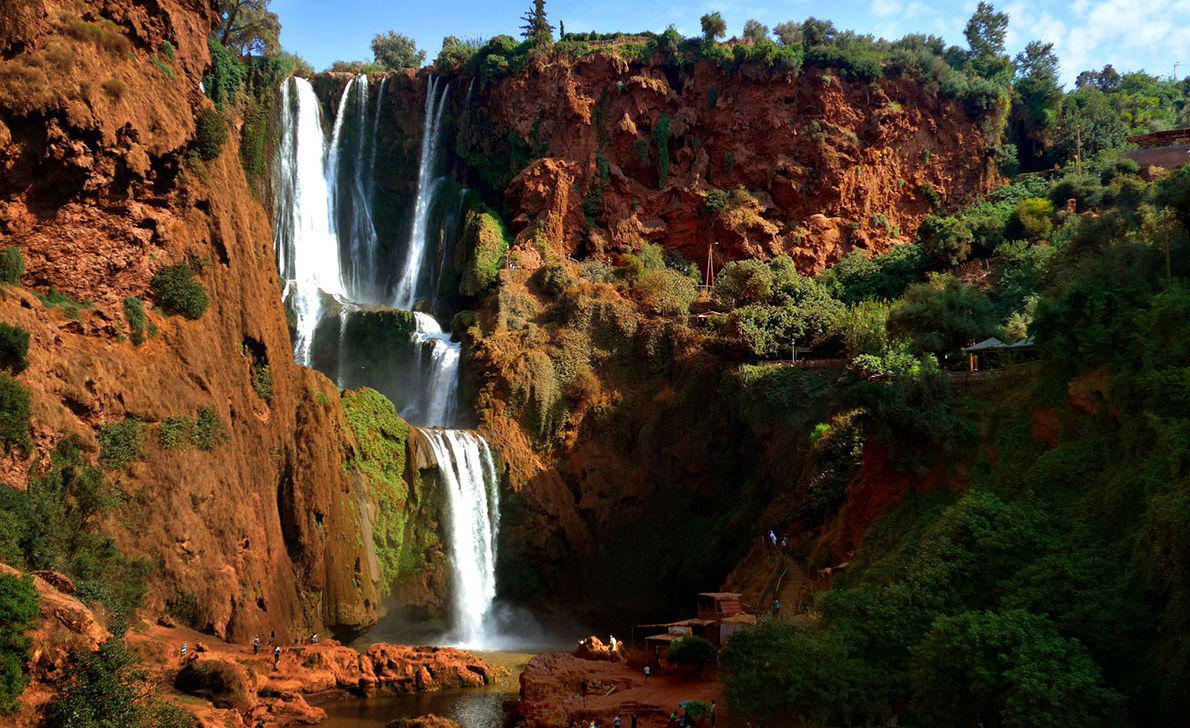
<point>14,348</point>
<point>54,524</point>
<point>394,51</point>
<point>121,443</point>
<point>12,266</point>
<point>177,292</point>
<point>134,314</point>
<point>1051,592</point>
<point>108,689</point>
<point>692,651</point>
<point>210,132</point>
<point>18,610</point>
<point>14,414</point>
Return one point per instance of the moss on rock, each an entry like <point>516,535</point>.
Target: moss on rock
<point>485,236</point>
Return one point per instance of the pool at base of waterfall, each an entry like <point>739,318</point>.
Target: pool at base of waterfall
<point>470,707</point>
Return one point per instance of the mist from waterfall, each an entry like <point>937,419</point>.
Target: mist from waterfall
<point>330,254</point>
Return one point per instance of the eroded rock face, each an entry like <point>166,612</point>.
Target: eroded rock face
<point>829,164</point>
<point>99,190</point>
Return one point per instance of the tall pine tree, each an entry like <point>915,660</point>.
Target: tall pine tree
<point>537,27</point>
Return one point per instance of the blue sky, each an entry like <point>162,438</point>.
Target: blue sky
<point>1130,34</point>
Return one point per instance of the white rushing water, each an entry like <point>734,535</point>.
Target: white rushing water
<point>304,235</point>
<point>327,245</point>
<point>406,293</point>
<point>469,476</point>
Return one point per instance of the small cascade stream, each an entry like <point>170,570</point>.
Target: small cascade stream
<point>333,261</point>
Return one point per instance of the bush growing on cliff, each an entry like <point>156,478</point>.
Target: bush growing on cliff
<point>209,430</point>
<point>134,314</point>
<point>14,348</point>
<point>743,282</point>
<point>857,277</point>
<point>18,610</point>
<point>226,76</point>
<point>178,293</point>
<point>121,443</point>
<point>14,414</point>
<point>942,316</point>
<point>666,291</point>
<point>12,266</point>
<point>210,132</point>
<point>54,525</point>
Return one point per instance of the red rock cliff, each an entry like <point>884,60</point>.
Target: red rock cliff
<point>99,190</point>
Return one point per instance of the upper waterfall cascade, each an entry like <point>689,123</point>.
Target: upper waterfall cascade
<point>336,262</point>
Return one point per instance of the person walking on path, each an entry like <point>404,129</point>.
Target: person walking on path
<point>256,644</point>
<point>276,657</point>
<point>776,608</point>
<point>647,672</point>
<point>616,721</point>
<point>714,714</point>
<point>183,652</point>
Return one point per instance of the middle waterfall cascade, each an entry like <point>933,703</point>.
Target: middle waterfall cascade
<point>330,255</point>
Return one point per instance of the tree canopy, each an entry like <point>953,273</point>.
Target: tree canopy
<point>394,51</point>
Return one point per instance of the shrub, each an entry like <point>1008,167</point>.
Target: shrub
<point>223,82</point>
<point>715,201</point>
<point>262,380</point>
<point>209,430</point>
<point>864,328</point>
<point>942,316</point>
<point>121,443</point>
<point>104,34</point>
<point>14,348</point>
<point>692,650</point>
<point>178,293</point>
<point>18,610</point>
<point>855,61</point>
<point>210,132</point>
<point>107,688</point>
<point>661,139</point>
<point>666,291</point>
<point>134,314</point>
<point>176,432</point>
<point>114,88</point>
<point>946,241</point>
<point>856,277</point>
<point>14,414</point>
<point>1033,217</point>
<point>12,266</point>
<point>67,305</point>
<point>743,282</point>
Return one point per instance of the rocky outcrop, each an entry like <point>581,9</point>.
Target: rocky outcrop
<point>100,189</point>
<point>618,152</point>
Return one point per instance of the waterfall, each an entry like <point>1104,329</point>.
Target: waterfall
<point>328,248</point>
<point>469,477</point>
<point>438,375</point>
<point>407,292</point>
<point>304,235</point>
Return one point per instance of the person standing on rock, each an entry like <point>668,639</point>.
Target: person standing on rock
<point>256,644</point>
<point>647,671</point>
<point>183,652</point>
<point>276,656</point>
<point>776,608</point>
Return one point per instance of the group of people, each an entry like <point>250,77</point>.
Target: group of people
<point>679,718</point>
<point>184,650</point>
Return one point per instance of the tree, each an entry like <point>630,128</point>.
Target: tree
<point>713,26</point>
<point>395,51</point>
<point>945,240</point>
<point>692,650</point>
<point>788,33</point>
<point>18,610</point>
<point>985,31</point>
<point>818,32</point>
<point>1107,80</point>
<point>755,32</point>
<point>1038,103</point>
<point>537,26</point>
<point>249,27</point>
<point>1008,668</point>
<point>942,316</point>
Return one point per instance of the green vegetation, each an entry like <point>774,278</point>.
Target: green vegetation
<point>121,443</point>
<point>178,293</point>
<point>55,525</point>
<point>262,380</point>
<point>14,414</point>
<point>109,688</point>
<point>661,140</point>
<point>225,77</point>
<point>14,348</point>
<point>488,241</point>
<point>691,651</point>
<point>18,611</point>
<point>394,51</point>
<point>64,303</point>
<point>381,436</point>
<point>12,266</point>
<point>205,430</point>
<point>134,314</point>
<point>210,133</point>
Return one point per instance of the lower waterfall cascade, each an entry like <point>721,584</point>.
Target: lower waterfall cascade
<point>329,251</point>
